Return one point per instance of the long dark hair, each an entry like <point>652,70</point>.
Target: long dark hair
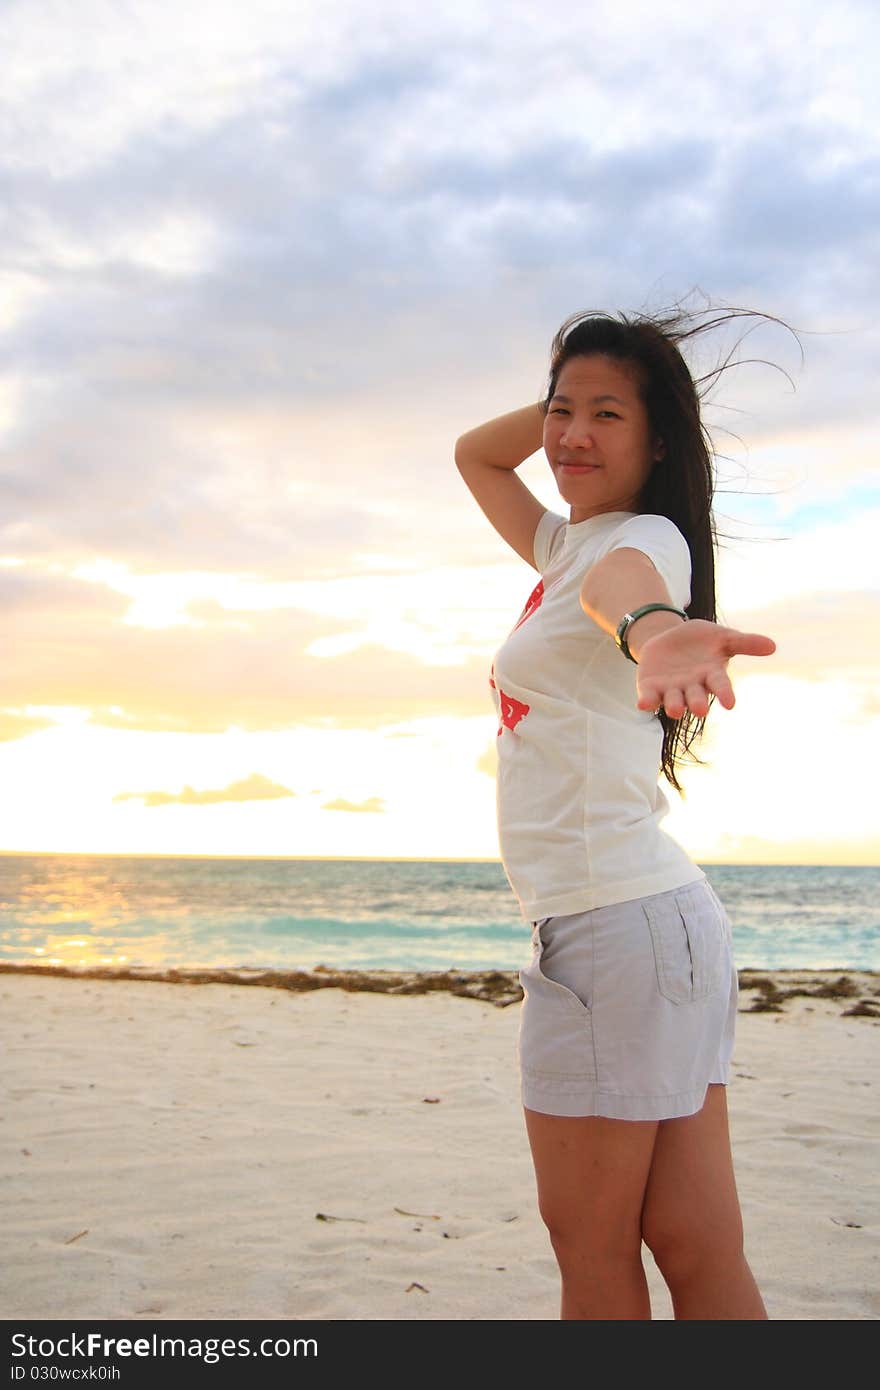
<point>681,484</point>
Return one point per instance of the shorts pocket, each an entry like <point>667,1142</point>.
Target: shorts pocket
<point>690,938</point>
<point>553,990</point>
<point>556,1028</point>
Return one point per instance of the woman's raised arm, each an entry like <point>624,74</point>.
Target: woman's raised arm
<point>486,458</point>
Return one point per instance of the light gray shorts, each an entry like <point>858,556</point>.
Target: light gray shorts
<point>629,1010</point>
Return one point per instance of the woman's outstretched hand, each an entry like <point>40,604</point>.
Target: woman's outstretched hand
<point>682,666</point>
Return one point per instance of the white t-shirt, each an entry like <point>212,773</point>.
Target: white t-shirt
<point>579,804</point>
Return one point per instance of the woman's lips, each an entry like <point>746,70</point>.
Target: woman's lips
<point>578,468</point>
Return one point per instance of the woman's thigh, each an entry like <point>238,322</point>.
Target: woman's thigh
<point>691,1202</point>
<point>591,1174</point>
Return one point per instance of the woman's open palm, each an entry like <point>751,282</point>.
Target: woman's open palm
<point>681,667</point>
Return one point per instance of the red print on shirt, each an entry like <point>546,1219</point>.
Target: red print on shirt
<point>533,603</point>
<point>513,710</point>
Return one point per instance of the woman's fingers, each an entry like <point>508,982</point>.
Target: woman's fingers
<point>697,700</point>
<point>748,643</point>
<point>694,697</point>
<point>673,702</point>
<point>718,682</point>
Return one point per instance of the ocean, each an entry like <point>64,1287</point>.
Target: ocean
<point>378,914</point>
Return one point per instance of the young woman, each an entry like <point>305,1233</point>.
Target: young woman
<point>627,1023</point>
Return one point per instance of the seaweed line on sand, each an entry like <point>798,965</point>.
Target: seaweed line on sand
<point>860,989</point>
<point>499,987</point>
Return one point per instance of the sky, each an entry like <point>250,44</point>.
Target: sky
<point>261,265</point>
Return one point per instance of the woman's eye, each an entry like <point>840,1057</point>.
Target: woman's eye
<point>612,414</point>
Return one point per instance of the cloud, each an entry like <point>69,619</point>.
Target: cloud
<point>819,637</point>
<point>15,726</point>
<point>371,649</point>
<point>261,270</point>
<point>258,314</point>
<point>27,596</point>
<point>372,804</point>
<point>252,788</point>
<point>244,669</point>
<point>762,570</point>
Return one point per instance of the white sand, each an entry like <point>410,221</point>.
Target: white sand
<point>166,1150</point>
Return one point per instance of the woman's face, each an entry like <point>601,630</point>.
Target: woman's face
<point>597,436</point>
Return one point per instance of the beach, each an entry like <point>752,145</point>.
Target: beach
<point>235,1145</point>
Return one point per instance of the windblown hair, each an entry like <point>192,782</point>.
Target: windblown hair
<point>681,484</point>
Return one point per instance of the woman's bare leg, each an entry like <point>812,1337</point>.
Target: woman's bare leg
<point>591,1175</point>
<point>691,1220</point>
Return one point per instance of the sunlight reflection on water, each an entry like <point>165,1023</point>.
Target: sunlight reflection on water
<point>82,910</point>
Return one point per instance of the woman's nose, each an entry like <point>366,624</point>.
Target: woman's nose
<point>577,435</point>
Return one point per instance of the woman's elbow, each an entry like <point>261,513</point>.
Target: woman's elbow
<point>466,457</point>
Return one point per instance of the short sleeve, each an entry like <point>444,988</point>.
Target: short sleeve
<point>665,546</point>
<point>548,539</point>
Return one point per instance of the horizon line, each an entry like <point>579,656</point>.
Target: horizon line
<point>392,859</point>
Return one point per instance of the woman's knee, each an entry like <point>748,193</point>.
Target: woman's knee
<point>594,1255</point>
<point>682,1250</point>
<point>577,1233</point>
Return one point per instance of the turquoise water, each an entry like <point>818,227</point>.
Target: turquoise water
<point>391,914</point>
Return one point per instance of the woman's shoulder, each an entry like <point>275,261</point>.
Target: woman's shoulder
<point>549,536</point>
<point>660,539</point>
<point>647,531</point>
<point>647,524</point>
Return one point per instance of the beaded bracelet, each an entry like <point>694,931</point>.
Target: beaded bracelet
<point>628,619</point>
